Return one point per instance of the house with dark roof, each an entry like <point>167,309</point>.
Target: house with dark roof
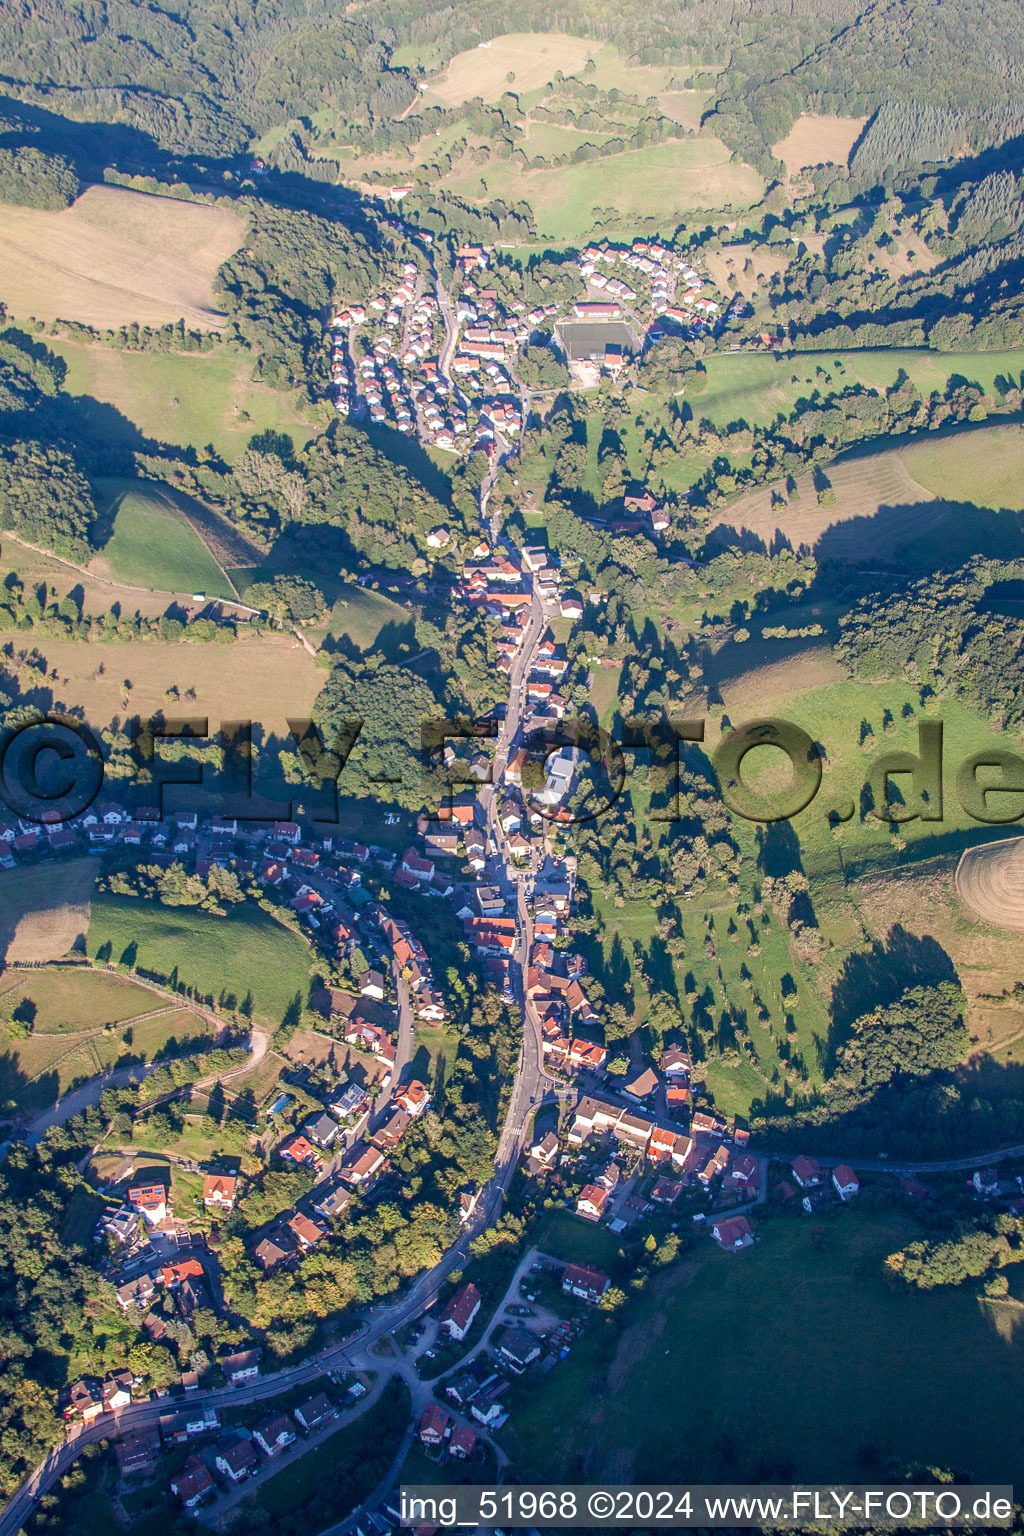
<point>518,1348</point>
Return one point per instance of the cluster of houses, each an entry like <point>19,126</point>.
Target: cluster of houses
<point>478,1390</point>
<point>223,1457</point>
<point>398,380</point>
<point>347,1157</point>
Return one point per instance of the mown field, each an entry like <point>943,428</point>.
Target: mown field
<point>985,467</point>
<point>245,953</point>
<point>116,256</point>
<point>267,680</point>
<point>185,398</point>
<point>153,545</point>
<point>817,139</point>
<point>790,1360</point>
<point>533,58</point>
<point>44,909</point>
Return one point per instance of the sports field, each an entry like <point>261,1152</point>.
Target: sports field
<point>184,398</point>
<point>153,545</point>
<point>790,1360</point>
<point>115,256</point>
<point>245,952</point>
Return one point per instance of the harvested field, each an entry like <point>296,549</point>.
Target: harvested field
<point>533,57</point>
<point>45,910</point>
<point>116,256</point>
<point>986,957</point>
<point>878,508</point>
<point>818,140</point>
<point>990,882</point>
<point>267,680</point>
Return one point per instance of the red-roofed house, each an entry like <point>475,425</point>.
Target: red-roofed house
<point>807,1172</point>
<point>219,1191</point>
<point>846,1181</point>
<point>458,1316</point>
<point>433,1424</point>
<point>733,1233</point>
<point>589,1284</point>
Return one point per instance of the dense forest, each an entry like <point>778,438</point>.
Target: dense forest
<point>203,79</point>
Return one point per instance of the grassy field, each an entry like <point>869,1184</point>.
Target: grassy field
<point>266,680</point>
<point>153,545</point>
<point>659,182</point>
<point>115,256</point>
<point>44,910</point>
<point>36,1072</point>
<point>184,398</point>
<point>244,952</point>
<point>66,1000</point>
<point>986,468</point>
<point>577,1241</point>
<point>755,388</point>
<point>790,1360</point>
<point>815,139</point>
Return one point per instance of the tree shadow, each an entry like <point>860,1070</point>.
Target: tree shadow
<point>876,977</point>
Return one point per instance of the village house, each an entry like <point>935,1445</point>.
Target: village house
<point>457,1318</point>
<point>433,1424</point>
<point>273,1434</point>
<point>846,1182</point>
<point>242,1366</point>
<point>150,1200</point>
<point>592,1201</point>
<point>806,1172</point>
<point>732,1233</point>
<point>518,1348</point>
<point>463,1442</point>
<point>586,1283</point>
<point>193,1484</point>
<point>235,1459</point>
<point>219,1191</point>
<point>315,1412</point>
